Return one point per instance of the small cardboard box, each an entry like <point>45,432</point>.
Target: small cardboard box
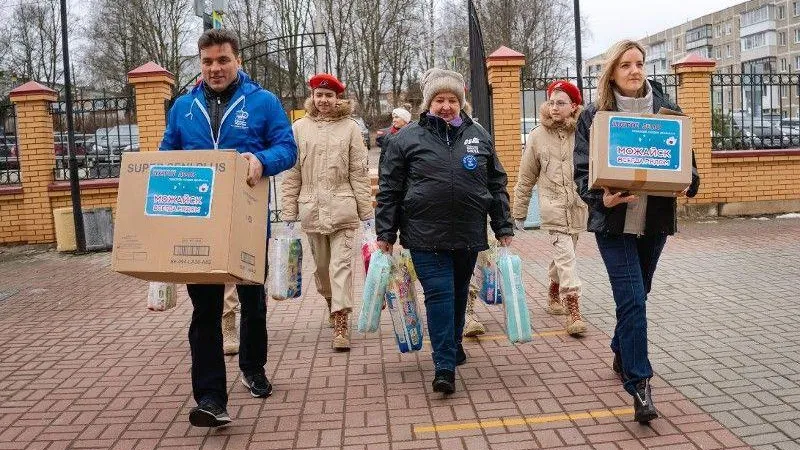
<point>649,153</point>
<point>190,217</point>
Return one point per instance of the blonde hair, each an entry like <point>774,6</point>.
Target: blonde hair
<point>605,84</point>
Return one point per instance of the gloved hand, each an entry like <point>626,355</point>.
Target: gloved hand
<point>519,224</point>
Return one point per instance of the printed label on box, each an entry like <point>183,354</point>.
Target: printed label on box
<point>644,143</point>
<point>179,191</point>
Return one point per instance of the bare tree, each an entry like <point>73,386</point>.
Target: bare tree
<point>127,33</point>
<point>248,19</point>
<point>541,29</point>
<point>337,21</point>
<point>35,38</point>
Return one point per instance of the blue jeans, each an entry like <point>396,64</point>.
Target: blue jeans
<point>630,262</point>
<point>445,276</point>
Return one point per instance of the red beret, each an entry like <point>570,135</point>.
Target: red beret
<point>568,88</point>
<point>327,81</point>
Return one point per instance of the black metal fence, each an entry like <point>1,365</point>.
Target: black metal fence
<point>534,93</point>
<point>104,129</point>
<point>9,155</point>
<point>755,111</point>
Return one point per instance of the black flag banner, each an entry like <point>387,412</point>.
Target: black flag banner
<point>479,81</point>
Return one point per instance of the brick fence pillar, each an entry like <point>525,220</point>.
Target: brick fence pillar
<point>153,85</point>
<point>505,80</point>
<point>694,97</point>
<point>36,160</point>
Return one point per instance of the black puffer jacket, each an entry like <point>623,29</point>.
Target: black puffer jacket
<point>660,218</point>
<point>437,185</point>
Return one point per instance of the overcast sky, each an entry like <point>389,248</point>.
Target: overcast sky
<point>609,23</point>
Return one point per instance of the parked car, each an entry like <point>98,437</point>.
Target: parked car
<point>364,130</point>
<point>110,143</point>
<point>762,132</point>
<point>9,157</point>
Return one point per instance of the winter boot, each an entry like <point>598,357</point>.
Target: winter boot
<point>575,324</point>
<point>230,335</point>
<point>554,305</point>
<point>341,331</point>
<point>444,381</point>
<point>330,316</point>
<point>472,327</point>
<point>644,409</point>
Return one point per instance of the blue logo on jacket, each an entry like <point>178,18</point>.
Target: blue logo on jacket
<point>470,162</point>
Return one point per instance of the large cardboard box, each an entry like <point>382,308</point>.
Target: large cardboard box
<point>190,217</point>
<point>649,153</point>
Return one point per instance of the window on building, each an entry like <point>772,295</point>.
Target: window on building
<point>797,35</point>
<point>717,30</point>
<point>782,38</point>
<point>754,41</point>
<point>728,51</point>
<point>784,65</point>
<point>781,12</point>
<point>677,44</point>
<point>797,63</point>
<point>796,7</point>
<point>756,16</point>
<point>728,27</point>
<point>718,53</point>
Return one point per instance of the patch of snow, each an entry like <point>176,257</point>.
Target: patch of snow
<point>760,218</point>
<point>789,216</point>
<point>707,221</point>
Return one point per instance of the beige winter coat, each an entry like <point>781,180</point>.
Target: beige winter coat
<point>547,159</point>
<point>328,189</point>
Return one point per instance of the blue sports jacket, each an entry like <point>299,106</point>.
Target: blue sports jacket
<point>254,122</point>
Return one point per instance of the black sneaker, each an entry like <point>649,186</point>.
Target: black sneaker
<point>209,414</point>
<point>444,382</point>
<point>258,384</point>
<point>461,356</point>
<point>644,409</point>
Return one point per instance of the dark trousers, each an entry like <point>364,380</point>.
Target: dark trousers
<point>205,337</point>
<point>631,262</point>
<point>445,279</point>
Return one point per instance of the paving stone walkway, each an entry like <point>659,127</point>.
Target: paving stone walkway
<point>83,364</point>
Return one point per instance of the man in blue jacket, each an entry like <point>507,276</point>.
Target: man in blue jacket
<point>228,110</point>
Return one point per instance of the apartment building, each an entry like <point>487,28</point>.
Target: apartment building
<point>753,37</point>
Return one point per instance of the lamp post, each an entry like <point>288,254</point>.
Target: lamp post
<point>75,189</point>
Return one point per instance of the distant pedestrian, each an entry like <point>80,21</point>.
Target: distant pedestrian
<point>439,179</point>
<point>329,192</point>
<point>547,161</point>
<point>630,230</point>
<point>400,118</point>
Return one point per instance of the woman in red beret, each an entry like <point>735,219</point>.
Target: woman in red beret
<point>547,160</point>
<point>328,191</point>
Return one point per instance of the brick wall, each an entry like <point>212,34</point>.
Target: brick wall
<point>26,210</point>
<point>504,66</point>
<point>732,182</point>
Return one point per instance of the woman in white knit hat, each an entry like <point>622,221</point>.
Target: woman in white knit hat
<point>439,179</point>
<point>400,118</point>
